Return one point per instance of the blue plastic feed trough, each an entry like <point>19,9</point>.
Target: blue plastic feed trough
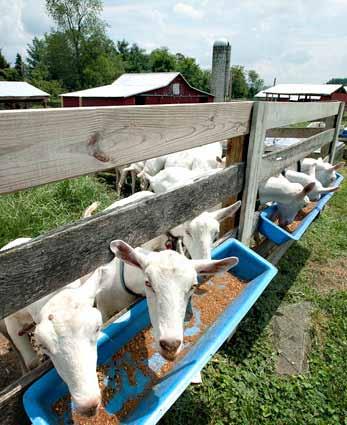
<point>156,399</point>
<point>343,133</point>
<point>277,234</point>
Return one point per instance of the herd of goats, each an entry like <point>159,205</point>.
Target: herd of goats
<point>67,323</point>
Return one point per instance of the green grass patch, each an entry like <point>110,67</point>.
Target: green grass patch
<point>240,385</point>
<point>32,212</point>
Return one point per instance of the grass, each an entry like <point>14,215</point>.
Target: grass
<point>32,212</point>
<point>240,385</point>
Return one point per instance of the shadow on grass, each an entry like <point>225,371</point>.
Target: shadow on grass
<point>257,319</point>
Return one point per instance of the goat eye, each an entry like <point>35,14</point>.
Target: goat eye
<point>44,348</point>
<point>189,233</point>
<point>97,329</point>
<point>149,285</point>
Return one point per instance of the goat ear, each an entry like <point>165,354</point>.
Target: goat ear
<point>329,189</point>
<point>337,166</point>
<point>208,267</point>
<point>225,212</point>
<point>126,253</point>
<point>88,212</point>
<point>307,189</point>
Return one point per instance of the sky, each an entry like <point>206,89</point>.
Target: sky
<point>296,41</point>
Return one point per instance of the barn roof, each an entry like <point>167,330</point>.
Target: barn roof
<point>301,89</point>
<point>129,85</point>
<point>20,89</point>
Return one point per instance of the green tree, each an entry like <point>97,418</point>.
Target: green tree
<point>102,63</point>
<point>36,53</point>
<point>338,81</point>
<point>239,87</point>
<point>255,83</point>
<point>135,59</point>
<point>192,72</point>
<point>59,60</point>
<point>9,74</point>
<point>103,70</point>
<point>78,20</point>
<point>19,67</point>
<point>4,66</point>
<point>161,60</point>
<point>3,62</point>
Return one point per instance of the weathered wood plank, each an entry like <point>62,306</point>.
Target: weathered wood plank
<point>286,113</point>
<point>293,132</point>
<point>274,162</point>
<point>236,152</point>
<point>336,134</point>
<point>254,156</point>
<point>22,383</point>
<point>32,270</point>
<point>273,252</point>
<point>41,146</point>
<point>12,413</point>
<point>278,252</point>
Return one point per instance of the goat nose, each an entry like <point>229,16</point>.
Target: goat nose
<point>89,409</point>
<point>170,345</point>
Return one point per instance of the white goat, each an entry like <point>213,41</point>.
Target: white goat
<point>134,169</point>
<point>325,172</point>
<point>199,234</point>
<point>67,327</point>
<point>129,199</point>
<point>290,197</point>
<point>170,178</point>
<point>304,179</point>
<point>166,278</point>
<point>201,157</point>
<point>151,168</point>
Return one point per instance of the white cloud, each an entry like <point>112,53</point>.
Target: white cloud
<point>188,10</point>
<point>20,21</point>
<point>298,41</point>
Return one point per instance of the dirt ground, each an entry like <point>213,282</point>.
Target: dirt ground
<point>9,366</point>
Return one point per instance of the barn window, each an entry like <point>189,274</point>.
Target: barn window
<point>176,89</point>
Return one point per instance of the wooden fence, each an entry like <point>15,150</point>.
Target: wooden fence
<point>43,146</point>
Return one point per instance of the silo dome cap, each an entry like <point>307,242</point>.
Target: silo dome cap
<point>221,42</point>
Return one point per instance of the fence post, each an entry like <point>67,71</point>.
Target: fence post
<point>236,152</point>
<point>254,161</point>
<point>332,147</point>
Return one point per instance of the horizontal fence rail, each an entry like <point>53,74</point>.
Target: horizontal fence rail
<point>275,162</point>
<point>42,146</point>
<point>293,132</point>
<point>30,271</point>
<point>280,114</point>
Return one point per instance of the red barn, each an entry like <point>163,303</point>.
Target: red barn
<point>139,89</point>
<point>304,93</point>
